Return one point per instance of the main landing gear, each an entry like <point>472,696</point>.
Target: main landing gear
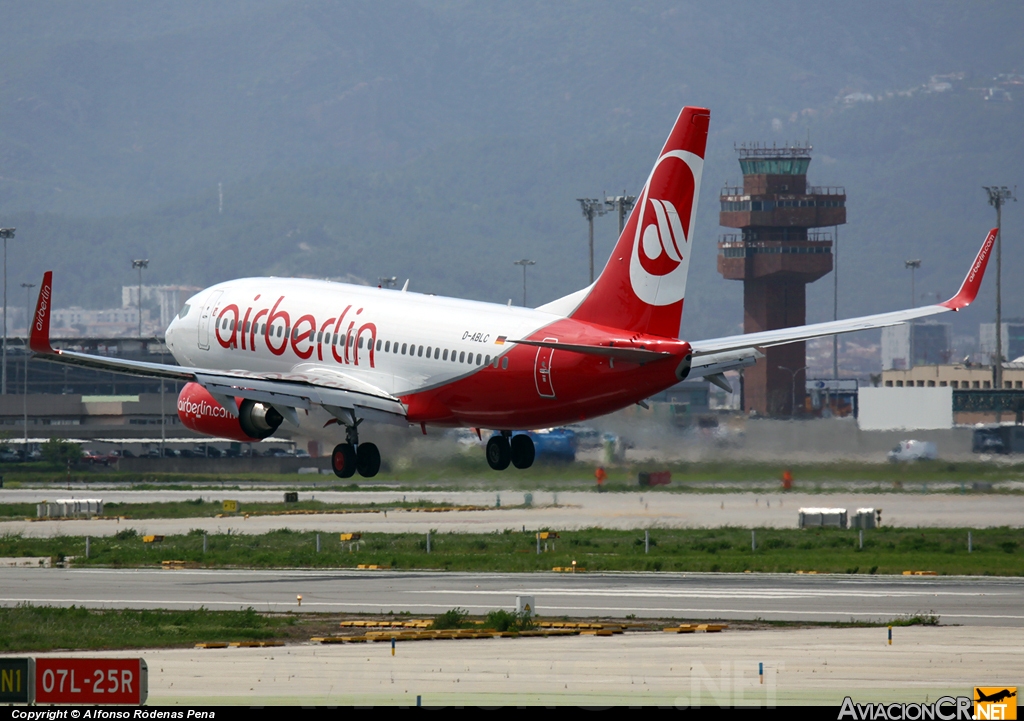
<point>352,456</point>
<point>506,448</point>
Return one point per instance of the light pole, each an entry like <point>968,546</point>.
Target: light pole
<point>28,333</point>
<point>792,387</point>
<point>913,265</point>
<point>140,264</point>
<point>621,204</point>
<point>6,234</point>
<point>835,300</point>
<point>997,197</point>
<point>591,207</point>
<point>524,262</point>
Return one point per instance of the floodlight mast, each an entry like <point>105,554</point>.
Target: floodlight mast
<point>28,334</point>
<point>524,262</point>
<point>621,204</point>
<point>6,234</point>
<point>140,264</point>
<point>591,207</point>
<point>913,265</point>
<point>997,197</point>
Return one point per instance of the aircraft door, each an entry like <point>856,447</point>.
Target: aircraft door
<point>206,319</point>
<point>542,370</point>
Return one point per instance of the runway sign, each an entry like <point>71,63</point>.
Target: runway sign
<point>15,680</point>
<point>91,681</point>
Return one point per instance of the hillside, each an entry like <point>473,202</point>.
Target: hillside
<point>442,141</point>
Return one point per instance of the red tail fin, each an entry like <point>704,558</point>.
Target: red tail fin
<point>643,285</point>
<point>39,339</point>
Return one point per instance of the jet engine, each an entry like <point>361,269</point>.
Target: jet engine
<point>199,411</point>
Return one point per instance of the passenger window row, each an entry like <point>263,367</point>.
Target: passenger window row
<point>438,353</point>
<point>385,346</point>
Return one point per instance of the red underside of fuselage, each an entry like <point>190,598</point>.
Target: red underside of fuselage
<point>577,386</point>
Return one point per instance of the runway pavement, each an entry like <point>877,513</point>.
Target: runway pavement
<point>976,601</point>
<point>563,511</point>
<point>801,666</point>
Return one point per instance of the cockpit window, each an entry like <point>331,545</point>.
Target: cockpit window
<point>184,311</point>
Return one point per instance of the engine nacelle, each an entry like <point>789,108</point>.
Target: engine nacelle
<point>198,411</point>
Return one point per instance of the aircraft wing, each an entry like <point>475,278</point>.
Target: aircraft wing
<point>339,394</point>
<point>750,341</point>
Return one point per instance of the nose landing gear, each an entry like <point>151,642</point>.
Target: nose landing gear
<point>352,456</point>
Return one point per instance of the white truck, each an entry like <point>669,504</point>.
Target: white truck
<point>913,451</point>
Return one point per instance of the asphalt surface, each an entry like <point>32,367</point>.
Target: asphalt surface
<point>801,666</point>
<point>956,600</point>
<point>563,511</point>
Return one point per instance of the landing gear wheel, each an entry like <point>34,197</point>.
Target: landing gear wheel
<point>367,460</point>
<point>498,453</point>
<point>343,460</point>
<point>523,451</point>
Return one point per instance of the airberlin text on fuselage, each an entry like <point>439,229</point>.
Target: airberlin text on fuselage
<point>304,337</point>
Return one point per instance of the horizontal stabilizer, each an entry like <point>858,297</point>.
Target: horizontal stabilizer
<point>630,355</point>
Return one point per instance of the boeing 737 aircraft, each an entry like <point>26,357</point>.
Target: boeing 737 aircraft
<point>259,352</point>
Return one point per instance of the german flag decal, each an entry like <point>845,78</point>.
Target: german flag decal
<point>500,340</point>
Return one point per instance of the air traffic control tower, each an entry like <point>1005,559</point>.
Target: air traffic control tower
<point>776,253</point>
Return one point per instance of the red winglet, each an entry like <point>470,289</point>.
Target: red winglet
<point>969,288</point>
<point>39,341</point>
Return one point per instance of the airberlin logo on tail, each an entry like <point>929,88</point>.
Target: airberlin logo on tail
<point>668,208</point>
<point>44,302</point>
<point>662,243</point>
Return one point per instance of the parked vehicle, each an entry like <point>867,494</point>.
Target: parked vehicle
<point>913,451</point>
<point>998,439</point>
<point>94,458</point>
<point>552,444</point>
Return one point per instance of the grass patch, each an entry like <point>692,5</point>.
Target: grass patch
<point>997,551</point>
<point>45,628</point>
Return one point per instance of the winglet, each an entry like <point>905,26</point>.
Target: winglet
<point>39,341</point>
<point>969,288</point>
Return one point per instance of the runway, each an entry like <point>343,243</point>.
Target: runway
<point>979,601</point>
<point>563,511</point>
<point>801,666</point>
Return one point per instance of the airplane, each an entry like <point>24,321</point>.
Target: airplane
<point>255,353</point>
<point>995,697</point>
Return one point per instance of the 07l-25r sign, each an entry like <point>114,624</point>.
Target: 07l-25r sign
<point>91,681</point>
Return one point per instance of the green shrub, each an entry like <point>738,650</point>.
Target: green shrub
<point>60,453</point>
<point>452,618</point>
<point>503,621</point>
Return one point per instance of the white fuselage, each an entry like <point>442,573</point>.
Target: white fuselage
<point>419,341</point>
